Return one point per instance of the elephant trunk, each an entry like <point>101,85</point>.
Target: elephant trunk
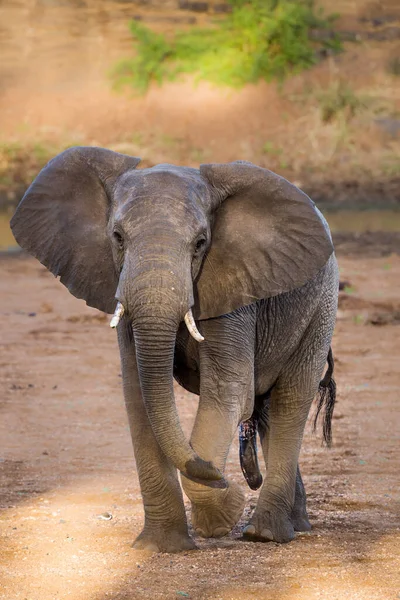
<point>189,321</point>
<point>156,309</point>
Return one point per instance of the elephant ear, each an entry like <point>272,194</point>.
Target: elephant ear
<point>62,220</point>
<point>267,238</point>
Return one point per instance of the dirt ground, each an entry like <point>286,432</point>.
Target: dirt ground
<point>70,503</point>
<point>66,463</point>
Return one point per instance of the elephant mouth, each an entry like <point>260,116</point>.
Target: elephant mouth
<point>189,321</point>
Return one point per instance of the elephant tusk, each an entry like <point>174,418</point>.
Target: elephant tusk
<point>119,311</point>
<point>191,325</point>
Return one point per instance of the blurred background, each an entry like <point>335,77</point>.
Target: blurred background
<point>312,95</point>
<point>309,90</point>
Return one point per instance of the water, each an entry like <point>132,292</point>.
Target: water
<point>340,221</point>
<point>359,221</point>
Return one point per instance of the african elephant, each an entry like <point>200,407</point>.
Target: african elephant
<point>229,255</point>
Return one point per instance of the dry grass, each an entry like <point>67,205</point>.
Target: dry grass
<point>360,139</point>
<point>338,121</point>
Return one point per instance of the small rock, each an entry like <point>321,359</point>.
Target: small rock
<point>106,516</point>
<point>46,308</point>
<point>343,285</point>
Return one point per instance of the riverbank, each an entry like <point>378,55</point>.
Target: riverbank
<point>334,129</point>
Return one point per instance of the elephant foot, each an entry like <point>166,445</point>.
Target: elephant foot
<point>269,526</point>
<point>300,521</point>
<point>218,513</point>
<point>161,540</point>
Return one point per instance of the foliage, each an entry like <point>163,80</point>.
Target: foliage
<point>340,99</point>
<point>270,148</point>
<point>259,39</point>
<point>20,163</point>
<point>393,66</point>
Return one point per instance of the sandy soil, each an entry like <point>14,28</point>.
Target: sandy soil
<point>66,461</point>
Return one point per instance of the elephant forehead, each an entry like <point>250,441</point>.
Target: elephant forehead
<point>161,187</point>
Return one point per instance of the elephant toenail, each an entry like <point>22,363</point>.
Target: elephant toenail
<point>145,546</point>
<point>250,530</point>
<point>221,531</point>
<point>266,534</point>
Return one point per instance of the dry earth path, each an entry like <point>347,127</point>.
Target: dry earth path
<point>66,459</point>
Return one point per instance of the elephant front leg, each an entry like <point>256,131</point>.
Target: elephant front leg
<point>226,397</point>
<point>165,527</point>
<point>214,511</point>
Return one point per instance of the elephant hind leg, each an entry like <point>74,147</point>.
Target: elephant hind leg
<point>299,515</point>
<point>260,424</point>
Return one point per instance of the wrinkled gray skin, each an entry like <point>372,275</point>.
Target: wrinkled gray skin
<point>253,257</point>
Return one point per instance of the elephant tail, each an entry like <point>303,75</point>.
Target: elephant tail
<point>327,399</point>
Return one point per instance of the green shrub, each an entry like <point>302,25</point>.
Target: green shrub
<point>20,163</point>
<point>340,99</point>
<point>259,39</point>
<point>393,66</point>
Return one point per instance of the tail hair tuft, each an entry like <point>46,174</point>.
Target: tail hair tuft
<point>327,399</point>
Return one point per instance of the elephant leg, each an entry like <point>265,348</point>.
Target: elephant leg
<point>271,520</point>
<point>214,511</point>
<point>226,398</point>
<point>165,527</point>
<point>291,398</point>
<point>299,515</point>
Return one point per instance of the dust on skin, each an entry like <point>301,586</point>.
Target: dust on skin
<point>66,459</point>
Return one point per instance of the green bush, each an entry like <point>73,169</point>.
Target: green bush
<point>340,99</point>
<point>393,66</point>
<point>21,162</point>
<point>259,39</point>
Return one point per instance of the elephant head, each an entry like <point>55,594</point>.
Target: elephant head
<point>167,242</point>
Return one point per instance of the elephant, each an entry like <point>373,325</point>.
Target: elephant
<point>223,277</point>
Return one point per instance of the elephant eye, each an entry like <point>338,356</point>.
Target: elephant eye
<point>118,238</point>
<point>201,242</point>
